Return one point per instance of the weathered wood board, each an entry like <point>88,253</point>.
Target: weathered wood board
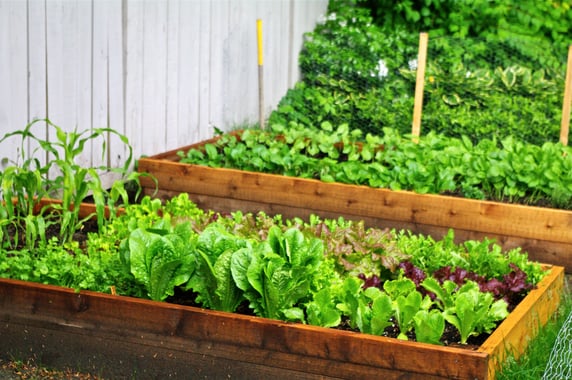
<point>546,234</point>
<point>122,337</point>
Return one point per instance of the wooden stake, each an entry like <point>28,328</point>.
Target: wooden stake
<point>260,74</point>
<point>419,85</point>
<point>565,125</point>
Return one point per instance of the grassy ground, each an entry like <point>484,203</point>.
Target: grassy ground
<point>533,363</point>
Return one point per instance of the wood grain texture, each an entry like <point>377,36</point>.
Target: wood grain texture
<point>523,323</point>
<point>48,321</point>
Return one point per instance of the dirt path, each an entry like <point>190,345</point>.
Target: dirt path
<point>16,370</point>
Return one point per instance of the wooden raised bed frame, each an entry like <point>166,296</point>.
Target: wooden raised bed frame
<point>122,337</point>
<point>546,234</point>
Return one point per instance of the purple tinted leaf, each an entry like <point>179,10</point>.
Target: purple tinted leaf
<point>516,280</point>
<point>413,273</point>
<point>369,282</point>
<point>494,286</point>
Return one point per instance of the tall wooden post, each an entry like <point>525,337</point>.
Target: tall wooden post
<point>565,124</point>
<point>419,85</point>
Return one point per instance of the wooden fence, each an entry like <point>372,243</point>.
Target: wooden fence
<point>162,72</point>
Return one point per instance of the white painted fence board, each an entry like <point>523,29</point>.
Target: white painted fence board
<point>13,78</point>
<point>109,15</point>
<point>100,75</point>
<point>107,93</point>
<point>184,129</point>
<point>133,29</point>
<point>173,73</point>
<point>204,70</point>
<point>218,99</point>
<point>242,63</point>
<point>162,72</point>
<point>36,64</point>
<point>276,46</point>
<point>154,75</point>
<point>69,41</point>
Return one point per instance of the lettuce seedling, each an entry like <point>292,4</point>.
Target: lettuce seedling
<point>405,308</point>
<point>322,311</point>
<point>429,326</point>
<point>369,310</point>
<point>475,312</point>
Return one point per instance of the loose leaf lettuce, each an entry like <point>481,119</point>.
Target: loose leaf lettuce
<point>475,312</point>
<point>322,311</point>
<point>368,310</point>
<point>405,308</point>
<point>381,311</point>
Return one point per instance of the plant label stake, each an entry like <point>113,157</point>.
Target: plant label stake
<point>260,74</point>
<point>565,126</point>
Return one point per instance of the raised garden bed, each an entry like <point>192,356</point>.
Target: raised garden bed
<point>542,232</point>
<point>122,337</point>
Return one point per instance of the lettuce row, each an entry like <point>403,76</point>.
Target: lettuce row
<point>287,270</point>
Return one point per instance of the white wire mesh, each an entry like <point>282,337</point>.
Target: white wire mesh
<point>559,365</point>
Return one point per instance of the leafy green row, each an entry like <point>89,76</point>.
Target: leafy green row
<point>283,269</point>
<point>510,171</point>
<point>292,270</point>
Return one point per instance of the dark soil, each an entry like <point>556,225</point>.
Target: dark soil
<point>451,336</point>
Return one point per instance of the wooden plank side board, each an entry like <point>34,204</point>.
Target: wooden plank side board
<point>186,331</point>
<point>38,319</point>
<point>445,211</point>
<point>524,322</point>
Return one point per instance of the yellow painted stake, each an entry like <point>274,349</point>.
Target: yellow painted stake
<point>565,124</point>
<point>419,86</point>
<point>260,74</point>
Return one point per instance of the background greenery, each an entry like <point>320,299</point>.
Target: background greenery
<point>495,68</point>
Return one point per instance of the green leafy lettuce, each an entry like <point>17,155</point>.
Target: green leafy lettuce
<point>277,274</point>
<point>161,258</point>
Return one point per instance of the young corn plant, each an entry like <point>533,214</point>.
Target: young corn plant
<point>63,177</point>
<point>21,188</point>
